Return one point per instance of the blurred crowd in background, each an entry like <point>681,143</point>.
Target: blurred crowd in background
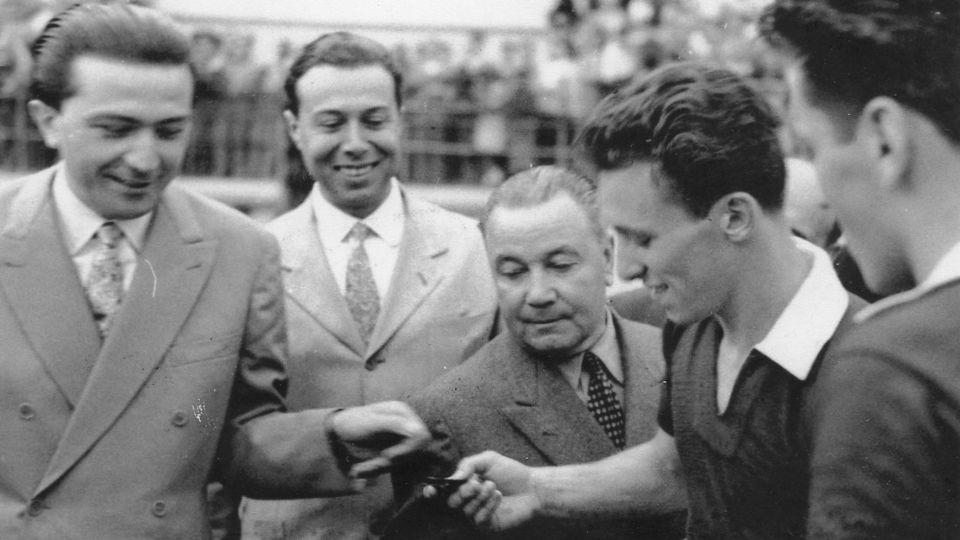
<point>474,114</point>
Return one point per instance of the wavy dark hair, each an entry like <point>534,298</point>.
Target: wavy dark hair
<point>853,51</point>
<point>112,30</point>
<point>344,50</point>
<point>707,132</point>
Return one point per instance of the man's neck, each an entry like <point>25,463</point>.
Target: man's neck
<point>930,224</point>
<point>771,277</point>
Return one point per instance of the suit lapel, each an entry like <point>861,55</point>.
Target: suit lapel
<point>41,285</point>
<point>642,376</point>
<point>414,276</point>
<point>549,413</point>
<point>310,282</point>
<point>170,274</point>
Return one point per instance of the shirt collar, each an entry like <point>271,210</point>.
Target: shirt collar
<point>810,319</point>
<point>80,222</point>
<point>606,349</point>
<point>945,271</point>
<point>386,221</point>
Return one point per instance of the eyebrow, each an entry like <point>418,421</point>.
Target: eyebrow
<point>623,229</point>
<point>130,120</point>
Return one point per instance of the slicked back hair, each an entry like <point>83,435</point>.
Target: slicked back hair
<point>907,50</point>
<point>111,30</point>
<point>704,129</point>
<point>342,50</point>
<point>539,185</point>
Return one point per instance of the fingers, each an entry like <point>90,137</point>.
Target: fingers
<point>381,432</point>
<point>485,515</point>
<point>477,464</point>
<point>370,468</point>
<point>413,441</point>
<point>476,499</point>
<point>483,495</point>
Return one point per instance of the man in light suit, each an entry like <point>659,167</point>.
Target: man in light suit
<point>142,326</point>
<point>532,393</point>
<point>372,318</point>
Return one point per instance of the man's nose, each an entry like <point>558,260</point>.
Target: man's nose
<point>144,156</point>
<point>355,142</point>
<point>541,291</point>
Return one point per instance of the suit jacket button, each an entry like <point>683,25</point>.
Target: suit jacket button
<point>159,509</point>
<point>179,419</point>
<point>36,506</point>
<point>373,362</point>
<point>27,412</point>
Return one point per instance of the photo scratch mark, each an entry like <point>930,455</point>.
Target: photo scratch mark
<point>198,411</point>
<point>153,293</point>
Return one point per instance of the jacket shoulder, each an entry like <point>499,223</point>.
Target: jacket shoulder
<point>478,378</point>
<point>216,218</point>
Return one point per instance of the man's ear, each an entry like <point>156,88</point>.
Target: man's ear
<point>293,127</point>
<point>48,121</point>
<point>608,257</point>
<point>736,215</point>
<point>883,127</point>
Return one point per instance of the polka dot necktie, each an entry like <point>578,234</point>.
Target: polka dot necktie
<point>602,400</point>
<point>361,291</point>
<point>105,283</point>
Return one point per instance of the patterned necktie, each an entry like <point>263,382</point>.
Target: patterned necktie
<point>361,290</point>
<point>105,285</point>
<point>602,400</point>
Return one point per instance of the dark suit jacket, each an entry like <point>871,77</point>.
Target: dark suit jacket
<point>505,400</point>
<point>119,439</point>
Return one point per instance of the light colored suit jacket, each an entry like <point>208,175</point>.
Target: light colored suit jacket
<point>119,439</point>
<point>505,400</point>
<point>440,308</point>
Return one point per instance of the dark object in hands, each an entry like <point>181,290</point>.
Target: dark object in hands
<point>445,486</point>
<point>424,518</point>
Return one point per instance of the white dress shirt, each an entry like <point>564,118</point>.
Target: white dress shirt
<point>79,224</point>
<point>383,246</point>
<point>607,350</point>
<point>810,319</point>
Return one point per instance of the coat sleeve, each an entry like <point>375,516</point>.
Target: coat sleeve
<point>264,451</point>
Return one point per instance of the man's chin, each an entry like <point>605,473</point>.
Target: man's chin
<point>548,348</point>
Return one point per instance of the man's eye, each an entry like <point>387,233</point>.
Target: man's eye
<point>329,122</point>
<point>114,130</point>
<point>375,120</point>
<point>562,265</point>
<point>510,270</point>
<point>636,239</point>
<point>169,133</point>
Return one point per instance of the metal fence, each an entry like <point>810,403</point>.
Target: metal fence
<point>245,137</point>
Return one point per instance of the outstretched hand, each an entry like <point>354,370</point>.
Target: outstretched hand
<point>378,434</point>
<point>498,494</point>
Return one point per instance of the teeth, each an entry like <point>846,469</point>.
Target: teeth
<point>356,170</point>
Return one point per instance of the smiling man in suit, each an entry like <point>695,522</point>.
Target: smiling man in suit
<point>142,326</point>
<point>569,381</point>
<point>384,291</point>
